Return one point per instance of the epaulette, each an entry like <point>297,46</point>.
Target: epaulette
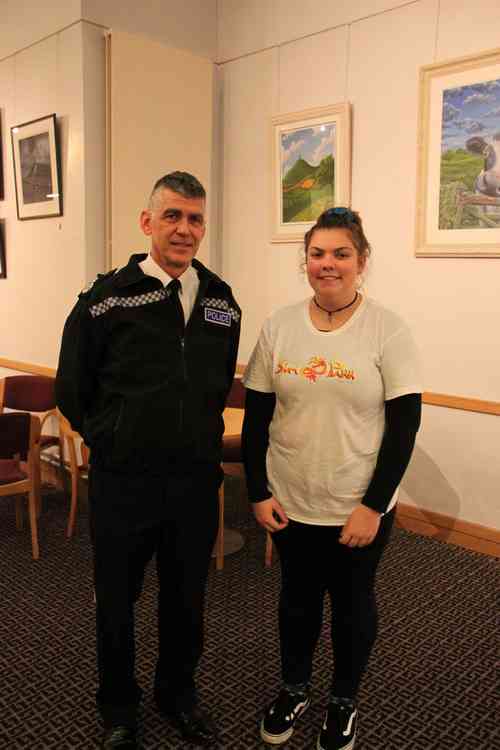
<point>101,277</point>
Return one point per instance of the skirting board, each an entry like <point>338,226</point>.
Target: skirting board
<point>447,529</point>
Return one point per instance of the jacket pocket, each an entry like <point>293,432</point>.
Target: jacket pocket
<point>98,427</point>
<point>145,428</point>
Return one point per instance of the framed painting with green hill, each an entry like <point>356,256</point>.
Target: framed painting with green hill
<point>311,168</point>
<point>458,177</point>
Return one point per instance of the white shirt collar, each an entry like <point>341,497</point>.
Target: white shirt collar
<point>188,278</point>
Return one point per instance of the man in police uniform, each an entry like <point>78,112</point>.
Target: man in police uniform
<point>147,359</point>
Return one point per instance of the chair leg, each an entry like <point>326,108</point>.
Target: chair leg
<point>32,508</point>
<point>219,544</point>
<point>74,505</point>
<point>73,464</point>
<point>269,550</point>
<point>37,478</point>
<point>60,467</point>
<point>19,514</point>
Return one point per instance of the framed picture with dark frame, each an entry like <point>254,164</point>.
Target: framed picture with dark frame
<point>3,263</point>
<point>37,169</point>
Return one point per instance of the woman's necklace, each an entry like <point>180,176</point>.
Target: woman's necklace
<point>332,312</point>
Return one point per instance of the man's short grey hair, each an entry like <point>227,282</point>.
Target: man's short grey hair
<point>179,182</point>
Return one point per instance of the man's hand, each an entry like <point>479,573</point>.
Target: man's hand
<point>270,514</point>
<point>361,527</point>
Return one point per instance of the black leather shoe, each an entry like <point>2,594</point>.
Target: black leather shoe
<point>120,737</point>
<point>194,725</point>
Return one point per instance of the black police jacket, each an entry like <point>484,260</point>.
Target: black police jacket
<point>138,391</point>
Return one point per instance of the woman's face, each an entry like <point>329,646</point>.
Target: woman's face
<point>333,264</point>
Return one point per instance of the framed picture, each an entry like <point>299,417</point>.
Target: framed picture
<point>458,175</point>
<point>311,168</point>
<point>3,263</point>
<point>2,189</point>
<point>37,169</point>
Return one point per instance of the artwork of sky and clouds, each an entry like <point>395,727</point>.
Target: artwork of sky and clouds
<point>307,171</point>
<point>470,152</point>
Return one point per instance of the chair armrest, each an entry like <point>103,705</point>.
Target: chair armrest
<point>85,451</point>
<point>48,415</point>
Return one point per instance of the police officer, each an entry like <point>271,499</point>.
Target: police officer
<point>147,359</point>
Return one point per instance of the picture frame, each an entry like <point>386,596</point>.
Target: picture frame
<point>311,169</point>
<point>37,169</point>
<point>458,158</point>
<point>3,261</point>
<point>2,186</point>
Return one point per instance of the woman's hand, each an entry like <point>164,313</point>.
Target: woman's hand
<point>270,514</point>
<point>361,527</point>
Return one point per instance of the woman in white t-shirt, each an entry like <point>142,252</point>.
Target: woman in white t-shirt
<point>333,407</point>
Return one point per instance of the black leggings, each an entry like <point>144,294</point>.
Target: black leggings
<point>313,562</point>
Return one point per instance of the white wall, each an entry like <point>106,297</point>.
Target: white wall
<point>451,304</point>
<point>94,148</point>
<point>161,120</point>
<point>47,259</point>
<point>246,26</point>
<point>24,22</point>
<point>190,25</point>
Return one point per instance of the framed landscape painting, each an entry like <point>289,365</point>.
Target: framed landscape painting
<point>3,261</point>
<point>311,168</point>
<point>2,189</point>
<point>458,175</point>
<point>35,150</point>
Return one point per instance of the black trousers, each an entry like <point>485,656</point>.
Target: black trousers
<point>313,562</point>
<point>133,518</point>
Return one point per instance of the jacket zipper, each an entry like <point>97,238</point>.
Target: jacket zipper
<point>181,400</point>
<point>119,417</point>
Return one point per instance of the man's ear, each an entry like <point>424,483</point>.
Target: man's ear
<point>145,222</point>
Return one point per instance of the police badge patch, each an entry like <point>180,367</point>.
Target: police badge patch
<point>220,317</point>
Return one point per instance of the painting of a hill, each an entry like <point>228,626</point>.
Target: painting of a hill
<point>308,189</point>
<point>311,167</point>
<point>308,172</point>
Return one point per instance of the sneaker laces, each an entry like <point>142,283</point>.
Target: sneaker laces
<point>345,702</point>
<point>300,689</point>
<point>286,702</point>
<point>120,734</point>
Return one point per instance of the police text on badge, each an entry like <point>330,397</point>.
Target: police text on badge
<point>217,316</point>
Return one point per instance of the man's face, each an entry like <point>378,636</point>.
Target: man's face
<point>176,226</point>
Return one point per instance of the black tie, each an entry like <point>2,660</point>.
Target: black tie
<point>173,295</point>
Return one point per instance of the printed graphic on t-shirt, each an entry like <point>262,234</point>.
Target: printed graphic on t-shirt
<point>318,367</point>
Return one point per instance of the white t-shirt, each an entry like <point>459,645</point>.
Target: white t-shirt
<point>329,418</point>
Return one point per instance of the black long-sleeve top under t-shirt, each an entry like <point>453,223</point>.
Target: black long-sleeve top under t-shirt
<point>402,420</point>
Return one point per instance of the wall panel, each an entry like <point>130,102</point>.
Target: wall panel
<point>44,255</point>
<point>24,22</point>
<point>161,120</point>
